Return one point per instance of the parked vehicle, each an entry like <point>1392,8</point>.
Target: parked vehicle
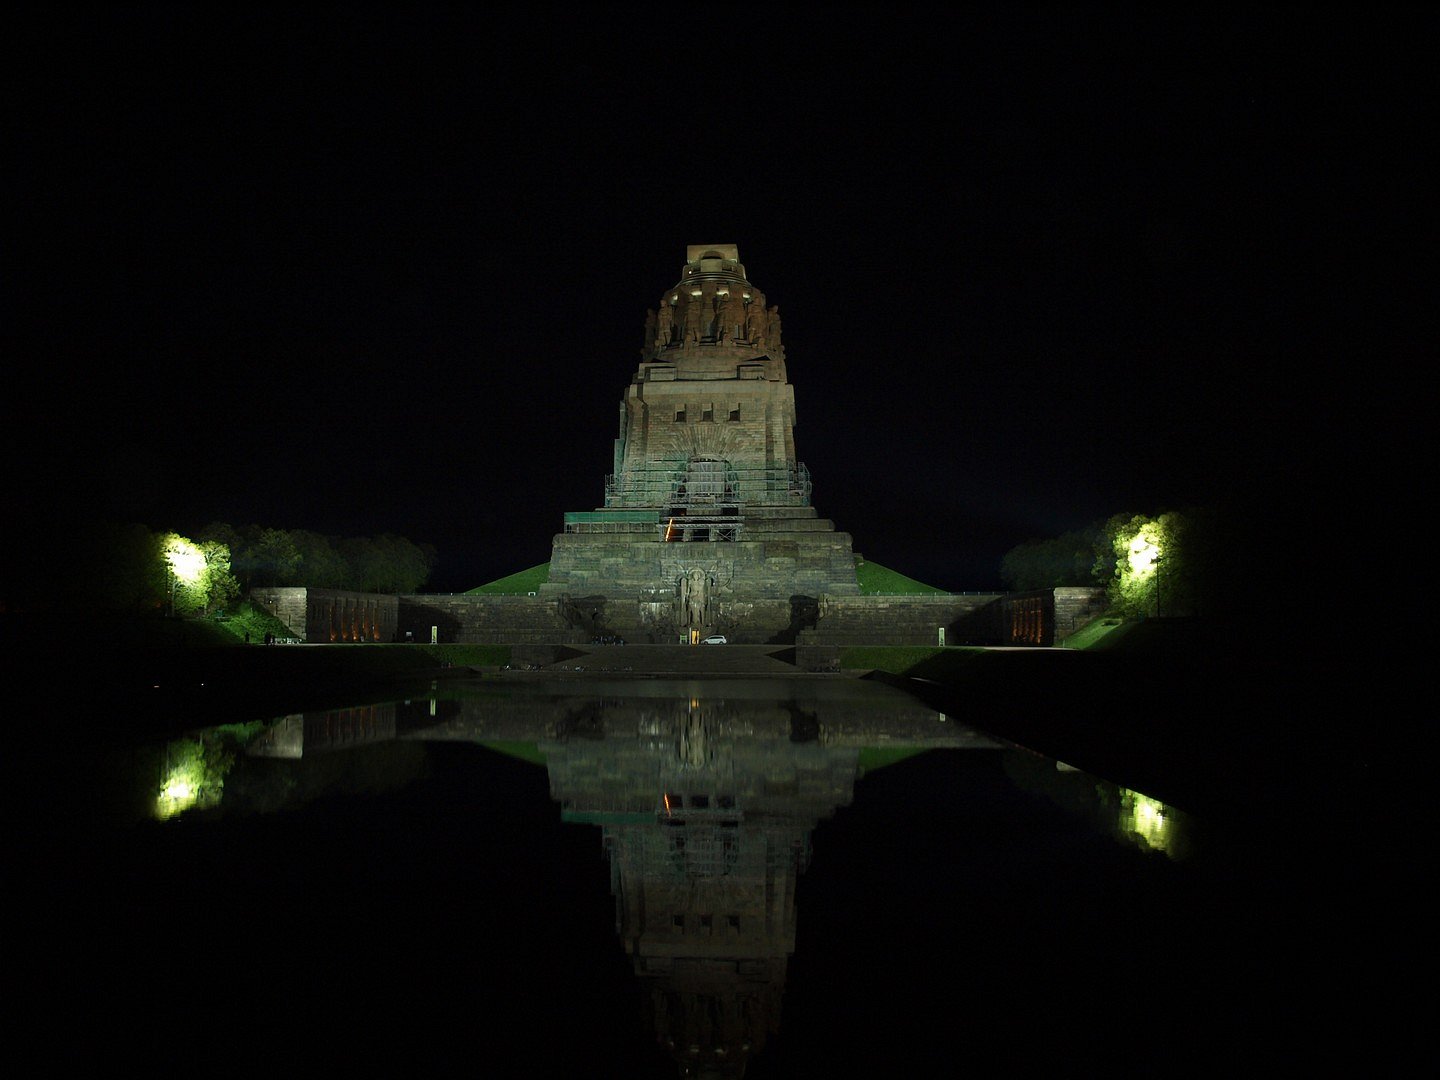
<point>714,639</point>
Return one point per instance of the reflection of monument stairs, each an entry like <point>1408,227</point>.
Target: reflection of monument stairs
<point>729,661</point>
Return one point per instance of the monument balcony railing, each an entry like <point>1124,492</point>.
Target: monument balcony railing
<point>659,498</point>
<point>678,485</point>
<point>690,528</point>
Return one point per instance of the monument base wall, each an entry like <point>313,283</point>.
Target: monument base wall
<point>777,564</point>
<point>649,616</point>
<point>321,616</point>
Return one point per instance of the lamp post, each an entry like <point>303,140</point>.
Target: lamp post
<point>1157,586</point>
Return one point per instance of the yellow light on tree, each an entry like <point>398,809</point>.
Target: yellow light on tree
<point>1139,544</point>
<point>1144,552</point>
<point>187,561</point>
<point>184,564</point>
<point>193,778</point>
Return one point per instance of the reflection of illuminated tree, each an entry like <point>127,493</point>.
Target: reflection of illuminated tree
<point>1149,820</point>
<point>1120,812</point>
<point>193,775</point>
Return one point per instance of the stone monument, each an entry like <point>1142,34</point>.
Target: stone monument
<point>707,525</point>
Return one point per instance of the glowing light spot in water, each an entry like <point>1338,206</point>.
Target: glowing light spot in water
<point>1148,819</point>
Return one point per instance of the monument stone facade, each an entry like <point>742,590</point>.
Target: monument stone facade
<point>707,524</point>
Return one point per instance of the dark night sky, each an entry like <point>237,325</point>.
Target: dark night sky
<point>388,272</point>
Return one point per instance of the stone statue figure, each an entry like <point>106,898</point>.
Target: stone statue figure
<point>772,332</point>
<point>693,739</point>
<point>682,600</point>
<point>694,596</point>
<point>722,315</point>
<point>692,321</point>
<point>755,322</point>
<point>663,327</point>
<point>651,334</point>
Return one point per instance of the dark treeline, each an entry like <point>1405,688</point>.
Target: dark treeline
<point>261,556</point>
<point>108,566</point>
<point>1167,564</point>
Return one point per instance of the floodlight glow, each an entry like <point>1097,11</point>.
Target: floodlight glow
<point>178,794</point>
<point>186,560</point>
<point>1144,550</point>
<point>193,779</point>
<point>1147,818</point>
<point>179,789</point>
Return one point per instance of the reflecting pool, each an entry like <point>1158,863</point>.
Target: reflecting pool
<point>652,878</point>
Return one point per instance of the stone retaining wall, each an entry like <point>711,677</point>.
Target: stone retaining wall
<point>965,618</point>
<point>319,616</point>
<point>1038,618</point>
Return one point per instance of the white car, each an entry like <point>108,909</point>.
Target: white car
<point>714,639</point>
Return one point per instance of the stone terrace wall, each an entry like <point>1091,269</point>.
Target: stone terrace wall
<point>287,605</point>
<point>1039,618</point>
<point>1047,616</point>
<point>1076,608</point>
<point>968,619</point>
<point>485,620</point>
<point>804,620</point>
<point>321,616</point>
<point>793,555</point>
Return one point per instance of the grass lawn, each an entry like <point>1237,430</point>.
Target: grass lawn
<point>874,579</point>
<point>877,580</point>
<point>519,584</point>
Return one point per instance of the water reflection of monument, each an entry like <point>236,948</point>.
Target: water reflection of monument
<point>706,795</point>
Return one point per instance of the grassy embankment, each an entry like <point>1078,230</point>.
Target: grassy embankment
<point>182,656</point>
<point>247,622</point>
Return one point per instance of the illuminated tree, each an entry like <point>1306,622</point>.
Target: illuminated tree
<point>185,563</point>
<point>1157,563</point>
<point>224,534</point>
<point>199,578</point>
<point>193,776</point>
<point>220,586</point>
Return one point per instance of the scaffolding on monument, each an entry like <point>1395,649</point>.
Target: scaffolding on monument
<point>705,483</point>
